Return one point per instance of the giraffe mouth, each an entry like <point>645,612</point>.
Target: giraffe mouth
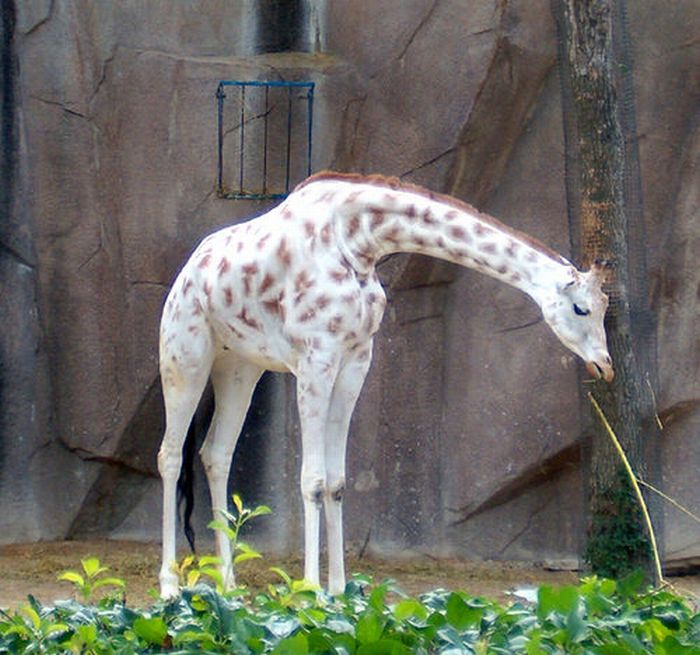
<point>602,371</point>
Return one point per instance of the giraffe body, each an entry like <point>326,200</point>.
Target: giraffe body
<point>296,290</point>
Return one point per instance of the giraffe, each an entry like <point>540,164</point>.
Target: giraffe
<point>296,290</point>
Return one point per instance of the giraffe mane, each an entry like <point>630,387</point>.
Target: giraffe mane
<point>394,183</point>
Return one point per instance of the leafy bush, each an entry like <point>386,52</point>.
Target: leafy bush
<point>597,617</point>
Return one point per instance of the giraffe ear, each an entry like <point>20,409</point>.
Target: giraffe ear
<point>601,271</point>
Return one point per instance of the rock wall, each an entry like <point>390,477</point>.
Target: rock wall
<point>466,439</point>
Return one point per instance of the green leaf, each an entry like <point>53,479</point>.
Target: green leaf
<point>410,608</point>
<point>561,601</point>
<point>153,631</point>
<point>209,560</point>
<point>92,567</point>
<point>282,574</point>
<point>384,647</point>
<point>222,526</point>
<point>244,557</point>
<point>370,627</point>
<point>295,645</point>
<point>109,582</point>
<point>459,615</point>
<point>72,576</point>
<point>238,503</point>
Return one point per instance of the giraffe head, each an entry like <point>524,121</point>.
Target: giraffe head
<point>576,312</point>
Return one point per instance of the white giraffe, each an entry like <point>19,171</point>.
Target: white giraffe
<point>296,290</point>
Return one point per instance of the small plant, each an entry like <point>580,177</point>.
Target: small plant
<point>91,579</point>
<point>231,525</point>
<point>191,569</point>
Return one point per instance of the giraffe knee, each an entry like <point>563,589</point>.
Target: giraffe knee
<point>313,490</point>
<point>169,461</point>
<point>336,490</point>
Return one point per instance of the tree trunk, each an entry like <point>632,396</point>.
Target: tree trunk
<point>597,188</point>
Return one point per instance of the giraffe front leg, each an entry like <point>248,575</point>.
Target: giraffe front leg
<point>344,398</point>
<point>314,385</point>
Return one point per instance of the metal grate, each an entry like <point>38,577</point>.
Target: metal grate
<point>264,137</point>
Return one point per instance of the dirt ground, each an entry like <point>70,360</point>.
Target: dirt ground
<point>33,569</point>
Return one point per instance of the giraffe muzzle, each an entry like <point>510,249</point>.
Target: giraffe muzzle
<point>601,371</point>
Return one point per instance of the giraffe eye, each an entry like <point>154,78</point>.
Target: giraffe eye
<point>581,312</point>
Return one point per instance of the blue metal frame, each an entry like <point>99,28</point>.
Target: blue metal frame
<point>267,85</point>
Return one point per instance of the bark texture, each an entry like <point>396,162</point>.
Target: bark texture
<point>617,540</point>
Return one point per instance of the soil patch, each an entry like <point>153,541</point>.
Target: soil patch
<point>33,569</point>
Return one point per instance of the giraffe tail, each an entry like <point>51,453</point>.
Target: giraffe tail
<point>186,482</point>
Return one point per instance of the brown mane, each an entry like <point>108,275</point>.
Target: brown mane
<point>396,184</point>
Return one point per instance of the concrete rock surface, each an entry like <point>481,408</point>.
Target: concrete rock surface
<point>466,440</point>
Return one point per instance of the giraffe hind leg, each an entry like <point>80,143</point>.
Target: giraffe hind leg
<point>183,383</point>
<point>233,380</point>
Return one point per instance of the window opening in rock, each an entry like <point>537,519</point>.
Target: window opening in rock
<point>264,137</point>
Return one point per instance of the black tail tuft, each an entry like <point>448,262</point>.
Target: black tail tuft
<point>185,483</point>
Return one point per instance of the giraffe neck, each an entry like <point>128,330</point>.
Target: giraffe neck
<point>375,221</point>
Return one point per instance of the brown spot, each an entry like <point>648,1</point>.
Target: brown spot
<point>302,282</point>
<point>334,324</point>
<point>515,277</point>
<point>193,329</point>
<point>352,197</point>
<point>196,307</point>
<point>267,282</point>
<point>349,297</point>
<point>489,248</point>
<point>307,315</point>
<point>503,269</point>
<point>250,269</point>
<point>322,301</point>
<point>512,248</point>
<point>204,262</point>
<point>350,336</point>
<point>239,247</point>
<point>310,229</point>
<point>481,230</point>
<point>327,196</point>
<point>228,296</point>
<point>283,253</point>
<point>440,242</point>
<point>272,306</point>
<point>393,235</point>
<point>451,215</point>
<point>428,218</point>
<point>286,214</point>
<point>238,333</point>
<point>248,320</point>
<point>459,233</point>
<point>224,266</point>
<point>353,226</point>
<point>207,289</point>
<point>326,234</point>
<point>420,242</point>
<point>186,286</point>
<point>377,217</point>
<point>338,275</point>
<point>261,242</point>
<point>457,253</point>
<point>411,212</point>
